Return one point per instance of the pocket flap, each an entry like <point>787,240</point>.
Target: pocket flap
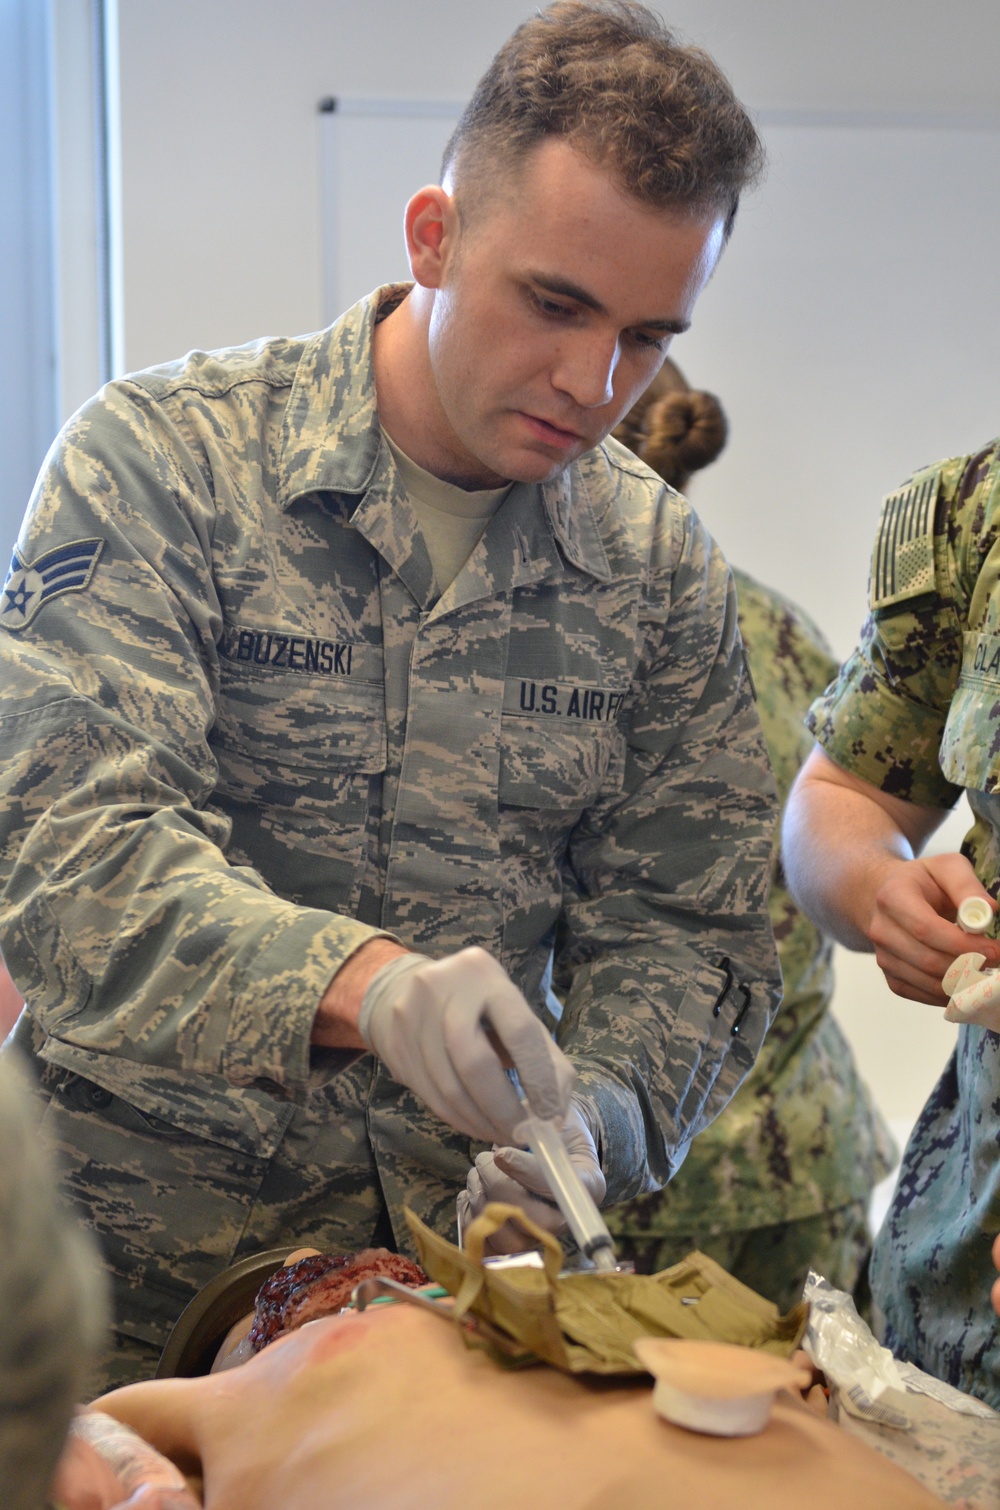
<point>250,1121</point>
<point>305,721</point>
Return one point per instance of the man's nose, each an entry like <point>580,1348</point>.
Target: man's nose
<point>585,370</point>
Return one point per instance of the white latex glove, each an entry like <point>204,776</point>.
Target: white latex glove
<point>439,1026</point>
<point>514,1176</point>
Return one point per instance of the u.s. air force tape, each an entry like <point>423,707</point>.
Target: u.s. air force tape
<point>903,559</point>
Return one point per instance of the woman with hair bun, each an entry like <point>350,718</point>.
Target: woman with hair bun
<point>780,1182</point>
<point>674,429</point>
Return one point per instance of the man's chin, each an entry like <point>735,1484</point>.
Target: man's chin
<point>537,469</point>
<point>532,465</point>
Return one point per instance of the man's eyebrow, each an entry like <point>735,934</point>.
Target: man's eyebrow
<point>570,290</point>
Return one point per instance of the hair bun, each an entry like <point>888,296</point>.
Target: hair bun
<point>684,431</point>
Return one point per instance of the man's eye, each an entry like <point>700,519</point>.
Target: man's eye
<point>552,308</point>
<point>650,342</point>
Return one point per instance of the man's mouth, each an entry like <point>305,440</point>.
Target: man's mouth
<point>552,434</point>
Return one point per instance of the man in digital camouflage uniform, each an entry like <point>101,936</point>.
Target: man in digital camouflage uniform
<point>780,1182</point>
<point>305,694</point>
<point>913,721</point>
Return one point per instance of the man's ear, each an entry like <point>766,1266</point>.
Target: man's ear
<point>431,229</point>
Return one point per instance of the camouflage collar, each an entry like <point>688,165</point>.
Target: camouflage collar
<point>331,429</point>
<point>332,437</point>
<point>571,514</point>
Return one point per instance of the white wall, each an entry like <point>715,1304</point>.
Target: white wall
<point>221,146</point>
<point>222,243</point>
<point>221,140</point>
<point>27,405</point>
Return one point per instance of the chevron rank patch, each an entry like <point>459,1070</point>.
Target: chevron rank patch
<point>903,560</point>
<point>30,584</point>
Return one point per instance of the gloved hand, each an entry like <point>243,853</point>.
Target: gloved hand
<point>514,1176</point>
<point>440,1026</point>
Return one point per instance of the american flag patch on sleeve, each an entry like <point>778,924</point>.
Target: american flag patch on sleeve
<point>903,559</point>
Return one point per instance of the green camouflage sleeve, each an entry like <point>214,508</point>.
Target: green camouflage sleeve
<point>122,922</point>
<point>884,719</point>
<point>791,663</point>
<point>666,941</point>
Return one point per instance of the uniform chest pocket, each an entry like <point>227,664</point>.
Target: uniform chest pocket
<point>286,739</point>
<point>300,768</point>
<point>970,746</point>
<point>546,764</point>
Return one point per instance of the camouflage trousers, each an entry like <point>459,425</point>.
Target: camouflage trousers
<point>774,1261</point>
<point>172,1205</point>
<point>170,1211</point>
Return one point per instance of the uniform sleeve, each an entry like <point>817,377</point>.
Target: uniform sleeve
<point>667,943</point>
<point>791,664</point>
<point>123,924</point>
<point>884,719</point>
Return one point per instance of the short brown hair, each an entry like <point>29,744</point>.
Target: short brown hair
<point>608,76</point>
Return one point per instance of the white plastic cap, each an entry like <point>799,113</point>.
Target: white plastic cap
<point>744,1416</point>
<point>975,915</point>
<point>716,1387</point>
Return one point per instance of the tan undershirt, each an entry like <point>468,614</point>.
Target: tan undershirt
<point>452,520</point>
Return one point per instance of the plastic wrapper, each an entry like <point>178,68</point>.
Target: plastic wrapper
<point>865,1374</point>
<point>974,992</point>
<point>946,1439</point>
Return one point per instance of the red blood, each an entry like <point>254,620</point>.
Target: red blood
<point>319,1286</point>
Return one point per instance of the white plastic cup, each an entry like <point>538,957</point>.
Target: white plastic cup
<point>743,1416</point>
<point>717,1388</point>
<point>975,915</point>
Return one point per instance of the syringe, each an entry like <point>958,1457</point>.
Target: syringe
<point>570,1194</point>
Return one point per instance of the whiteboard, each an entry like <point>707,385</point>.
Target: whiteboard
<point>850,332</point>
<point>375,154</point>
<point>850,329</point>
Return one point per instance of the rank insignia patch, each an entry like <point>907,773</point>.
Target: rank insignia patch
<point>30,584</point>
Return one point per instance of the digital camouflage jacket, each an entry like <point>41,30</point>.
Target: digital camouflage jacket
<point>217,575</point>
<point>916,712</point>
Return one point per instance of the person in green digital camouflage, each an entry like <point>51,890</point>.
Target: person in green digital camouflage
<point>914,720</point>
<point>780,1181</point>
<point>352,683</point>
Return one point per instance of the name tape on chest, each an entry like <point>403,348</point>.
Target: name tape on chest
<point>903,559</point>
<point>283,651</point>
<point>32,584</point>
<point>981,658</point>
